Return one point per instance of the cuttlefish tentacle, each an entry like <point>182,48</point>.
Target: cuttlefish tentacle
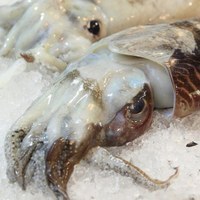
<point>102,158</point>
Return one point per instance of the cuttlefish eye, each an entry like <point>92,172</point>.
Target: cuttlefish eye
<point>131,120</point>
<point>135,111</point>
<point>137,107</point>
<point>93,27</point>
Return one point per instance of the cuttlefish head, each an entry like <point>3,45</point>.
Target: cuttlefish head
<point>115,107</point>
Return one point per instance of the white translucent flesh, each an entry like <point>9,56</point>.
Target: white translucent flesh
<point>158,77</point>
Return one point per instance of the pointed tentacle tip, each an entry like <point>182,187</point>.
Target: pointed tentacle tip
<point>159,184</point>
<point>15,170</point>
<point>60,192</point>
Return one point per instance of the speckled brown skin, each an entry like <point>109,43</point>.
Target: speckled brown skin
<point>58,166</point>
<point>63,155</point>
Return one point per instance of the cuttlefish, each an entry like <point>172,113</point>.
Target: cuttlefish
<point>57,32</point>
<point>107,99</point>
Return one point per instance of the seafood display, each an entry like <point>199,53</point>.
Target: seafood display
<point>107,99</point>
<point>56,32</point>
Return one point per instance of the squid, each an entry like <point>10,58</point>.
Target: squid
<point>57,32</point>
<point>107,99</point>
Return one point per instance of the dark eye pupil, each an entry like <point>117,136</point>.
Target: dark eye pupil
<point>94,27</point>
<point>137,107</point>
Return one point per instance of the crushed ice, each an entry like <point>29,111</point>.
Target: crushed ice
<point>157,152</point>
